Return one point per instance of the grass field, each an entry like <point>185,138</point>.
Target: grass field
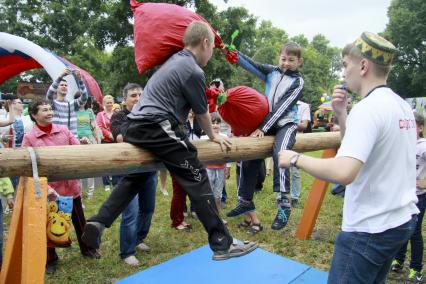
<point>167,243</point>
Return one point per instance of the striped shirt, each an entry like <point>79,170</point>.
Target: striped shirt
<point>64,112</point>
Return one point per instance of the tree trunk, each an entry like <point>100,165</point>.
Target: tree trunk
<point>80,161</point>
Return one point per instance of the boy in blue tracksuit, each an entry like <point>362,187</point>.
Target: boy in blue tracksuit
<point>284,86</point>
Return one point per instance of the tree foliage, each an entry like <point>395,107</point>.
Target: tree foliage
<point>407,30</point>
<point>97,35</point>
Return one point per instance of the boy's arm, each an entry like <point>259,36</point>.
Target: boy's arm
<point>257,69</point>
<point>287,101</point>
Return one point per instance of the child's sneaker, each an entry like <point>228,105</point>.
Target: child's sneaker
<point>237,248</point>
<point>143,247</point>
<point>414,276</point>
<point>281,219</point>
<point>243,207</point>
<point>107,188</point>
<point>396,266</point>
<point>283,214</point>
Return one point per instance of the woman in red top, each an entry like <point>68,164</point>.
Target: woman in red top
<point>44,134</point>
<point>103,120</point>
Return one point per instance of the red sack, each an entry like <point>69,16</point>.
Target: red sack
<point>211,94</point>
<point>244,110</point>
<point>158,32</point>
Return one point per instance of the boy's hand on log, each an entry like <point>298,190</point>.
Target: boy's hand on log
<point>285,157</point>
<point>258,133</point>
<point>222,141</point>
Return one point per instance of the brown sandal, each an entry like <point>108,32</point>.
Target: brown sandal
<point>244,224</point>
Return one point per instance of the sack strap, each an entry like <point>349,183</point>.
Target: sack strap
<point>36,178</point>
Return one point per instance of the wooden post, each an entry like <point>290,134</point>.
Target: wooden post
<point>313,204</point>
<point>25,253</point>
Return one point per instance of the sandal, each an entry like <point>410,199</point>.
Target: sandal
<point>184,228</point>
<point>244,224</point>
<point>255,228</point>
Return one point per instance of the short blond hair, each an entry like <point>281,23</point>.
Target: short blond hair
<point>196,32</point>
<point>106,98</point>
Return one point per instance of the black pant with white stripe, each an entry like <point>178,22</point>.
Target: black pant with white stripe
<point>285,137</point>
<point>168,142</point>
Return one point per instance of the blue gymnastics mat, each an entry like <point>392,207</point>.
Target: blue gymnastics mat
<point>197,267</point>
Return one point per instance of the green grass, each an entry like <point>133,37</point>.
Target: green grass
<point>167,243</point>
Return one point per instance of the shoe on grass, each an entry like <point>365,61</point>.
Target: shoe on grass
<point>51,267</point>
<point>143,247</point>
<point>281,219</point>
<point>414,276</point>
<point>237,248</point>
<point>107,188</point>
<point>92,234</point>
<point>131,260</point>
<point>396,266</point>
<point>242,208</point>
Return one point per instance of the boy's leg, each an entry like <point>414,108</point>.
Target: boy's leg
<point>284,140</point>
<point>249,171</point>
<point>364,257</point>
<point>169,143</point>
<point>79,221</point>
<point>116,203</point>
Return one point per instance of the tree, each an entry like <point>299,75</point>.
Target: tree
<point>407,31</point>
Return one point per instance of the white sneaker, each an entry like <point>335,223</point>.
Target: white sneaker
<point>132,261</point>
<point>164,192</point>
<point>143,247</point>
<point>107,188</point>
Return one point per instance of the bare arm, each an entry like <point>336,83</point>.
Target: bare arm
<point>342,170</point>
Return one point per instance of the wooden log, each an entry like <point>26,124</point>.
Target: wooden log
<point>80,161</point>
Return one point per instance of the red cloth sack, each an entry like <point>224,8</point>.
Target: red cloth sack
<point>158,32</point>
<point>244,109</point>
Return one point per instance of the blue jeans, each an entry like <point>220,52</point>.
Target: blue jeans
<point>416,240</point>
<point>136,218</point>
<point>366,258</point>
<point>295,183</point>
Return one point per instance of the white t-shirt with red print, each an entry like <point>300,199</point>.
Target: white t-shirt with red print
<point>381,133</point>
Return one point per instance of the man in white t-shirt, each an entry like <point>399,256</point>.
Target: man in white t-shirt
<point>376,161</point>
<point>304,118</point>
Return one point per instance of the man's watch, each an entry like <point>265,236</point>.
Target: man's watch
<point>294,159</point>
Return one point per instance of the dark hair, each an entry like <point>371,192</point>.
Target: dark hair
<point>63,80</point>
<point>89,103</point>
<point>215,117</point>
<point>216,82</point>
<point>130,86</point>
<point>33,107</point>
<point>292,48</point>
<point>96,107</point>
<point>77,95</point>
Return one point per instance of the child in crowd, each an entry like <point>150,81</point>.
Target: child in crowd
<point>416,240</point>
<point>43,134</point>
<point>284,86</point>
<point>217,172</point>
<point>6,190</point>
